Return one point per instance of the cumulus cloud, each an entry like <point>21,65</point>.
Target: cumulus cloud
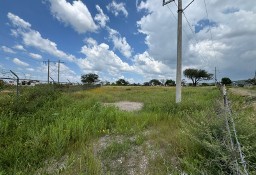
<point>99,58</point>
<point>19,47</point>
<point>35,56</point>
<point>117,8</point>
<point>19,62</point>
<point>34,39</point>
<point>101,18</point>
<point>7,49</point>
<point>76,15</point>
<point>151,68</point>
<point>230,45</point>
<point>120,43</point>
<point>18,22</point>
<point>30,69</point>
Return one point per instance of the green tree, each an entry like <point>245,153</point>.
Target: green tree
<point>197,75</point>
<point>146,84</point>
<point>155,82</point>
<point>89,78</point>
<point>251,81</point>
<point>122,82</point>
<point>169,83</point>
<point>226,81</point>
<point>1,84</point>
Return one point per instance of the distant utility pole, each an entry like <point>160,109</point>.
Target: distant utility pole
<point>48,62</point>
<point>48,77</point>
<point>215,77</point>
<point>179,48</point>
<point>17,86</point>
<point>58,71</point>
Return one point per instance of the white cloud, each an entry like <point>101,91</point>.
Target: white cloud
<point>120,43</point>
<point>19,62</point>
<point>7,49</point>
<point>101,18</point>
<point>150,68</point>
<point>76,15</point>
<point>33,38</point>
<point>100,59</point>
<point>19,47</point>
<point>34,55</point>
<point>116,8</point>
<point>18,22</point>
<point>30,69</point>
<point>225,51</point>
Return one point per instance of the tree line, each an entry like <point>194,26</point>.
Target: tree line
<point>195,75</point>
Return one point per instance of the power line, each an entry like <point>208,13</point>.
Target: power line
<point>208,19</point>
<point>214,53</point>
<point>176,20</point>
<point>172,12</point>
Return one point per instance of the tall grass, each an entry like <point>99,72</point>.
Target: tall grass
<point>44,125</point>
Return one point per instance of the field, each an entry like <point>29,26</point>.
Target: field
<point>49,132</point>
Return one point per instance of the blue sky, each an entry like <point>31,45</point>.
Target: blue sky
<point>134,40</point>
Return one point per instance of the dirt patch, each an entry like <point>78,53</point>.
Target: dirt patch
<point>126,105</point>
<point>122,154</point>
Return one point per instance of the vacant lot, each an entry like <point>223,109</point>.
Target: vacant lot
<point>49,132</point>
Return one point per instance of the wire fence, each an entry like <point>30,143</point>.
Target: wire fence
<point>239,165</point>
<point>11,83</point>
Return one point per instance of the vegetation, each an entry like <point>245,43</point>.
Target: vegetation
<point>1,84</point>
<point>169,83</point>
<point>226,81</point>
<point>155,82</point>
<point>251,81</point>
<point>197,75</point>
<point>89,78</point>
<point>49,132</point>
<point>122,82</point>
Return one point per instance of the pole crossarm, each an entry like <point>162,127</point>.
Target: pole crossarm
<point>188,5</point>
<point>167,2</point>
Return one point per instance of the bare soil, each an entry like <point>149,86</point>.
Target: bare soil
<point>126,105</point>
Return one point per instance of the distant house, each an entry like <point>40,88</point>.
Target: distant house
<point>11,82</point>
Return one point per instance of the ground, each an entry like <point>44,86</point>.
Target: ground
<point>246,92</point>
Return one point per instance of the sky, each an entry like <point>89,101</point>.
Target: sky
<point>135,40</point>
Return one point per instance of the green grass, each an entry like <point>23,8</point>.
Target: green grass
<point>45,125</point>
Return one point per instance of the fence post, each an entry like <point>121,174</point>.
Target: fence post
<point>17,86</point>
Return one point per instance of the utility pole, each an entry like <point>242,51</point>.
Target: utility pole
<point>215,75</point>
<point>58,71</point>
<point>48,78</point>
<point>179,53</point>
<point>48,62</point>
<point>179,47</point>
<point>17,86</point>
